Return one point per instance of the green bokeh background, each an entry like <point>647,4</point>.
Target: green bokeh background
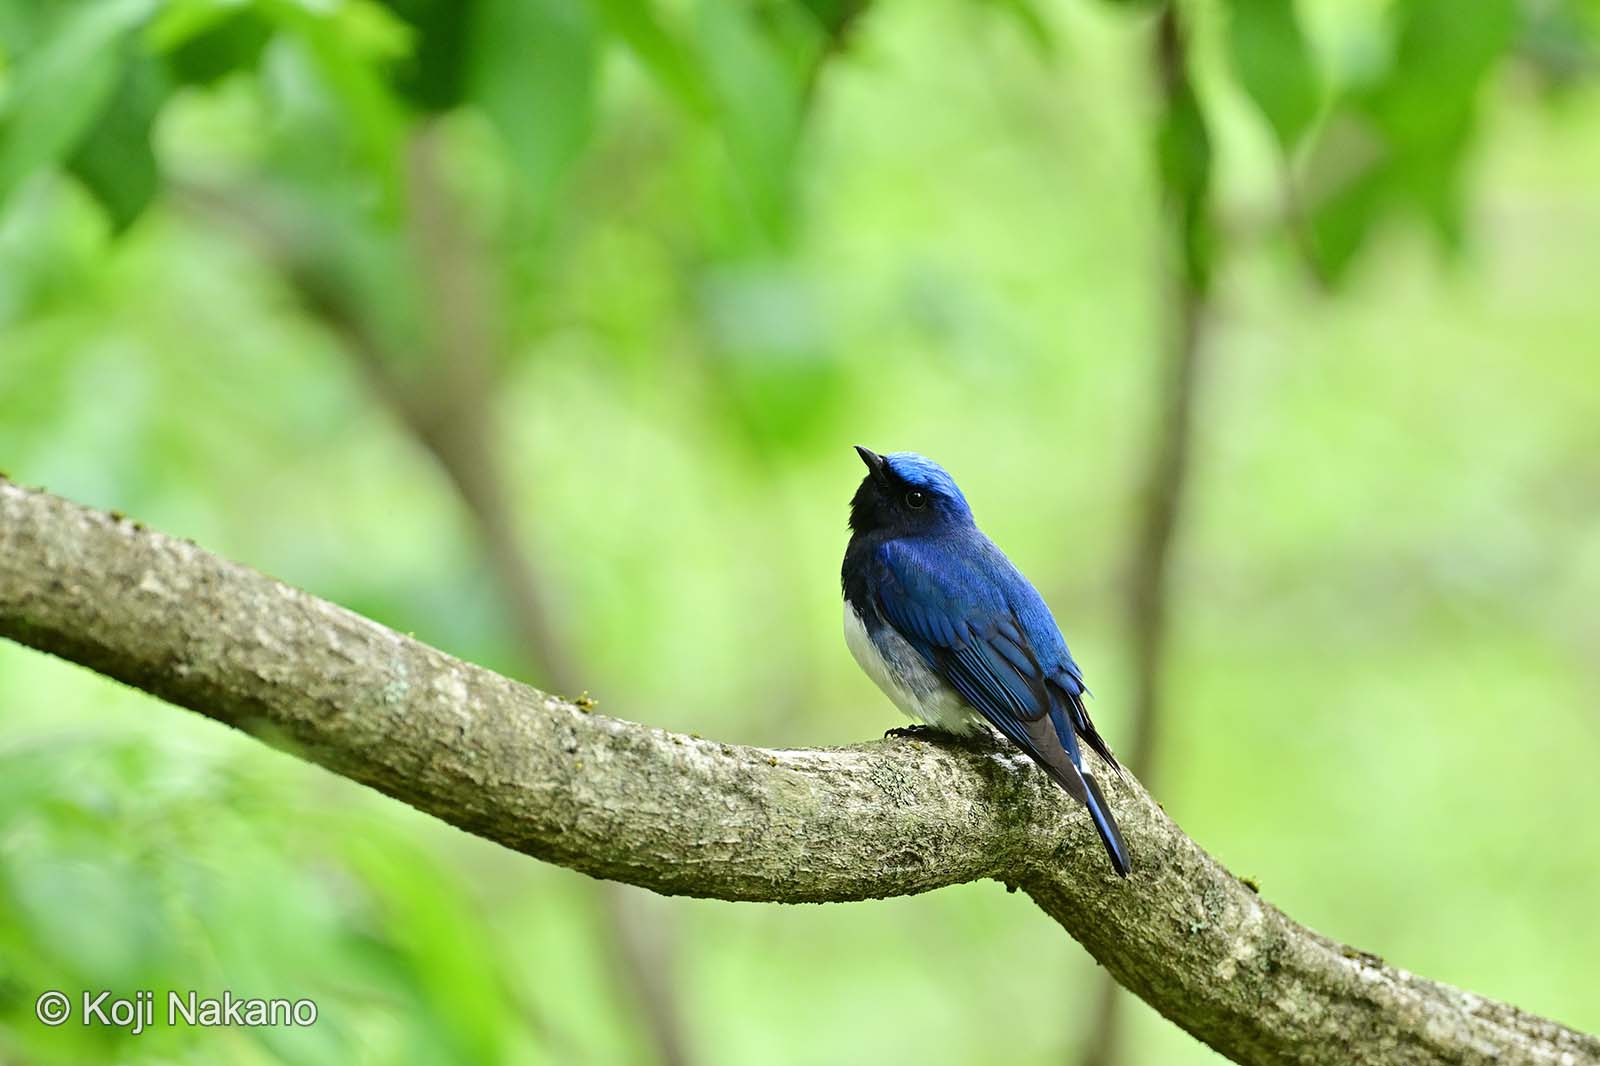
<point>1385,667</point>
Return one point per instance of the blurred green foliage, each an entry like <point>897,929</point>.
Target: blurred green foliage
<point>721,242</point>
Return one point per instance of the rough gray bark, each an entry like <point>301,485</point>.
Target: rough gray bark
<point>683,815</point>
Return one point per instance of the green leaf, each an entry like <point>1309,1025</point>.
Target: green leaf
<point>115,161</point>
<point>61,87</point>
<point>350,47</point>
<point>1442,56</point>
<point>1274,65</point>
<point>1342,221</point>
<point>757,84</point>
<point>434,77</point>
<point>203,41</point>
<point>534,69</point>
<point>1398,146</point>
<point>658,50</point>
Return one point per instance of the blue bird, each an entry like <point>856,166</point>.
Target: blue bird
<point>953,633</point>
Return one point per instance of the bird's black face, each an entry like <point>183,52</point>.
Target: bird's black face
<point>887,502</point>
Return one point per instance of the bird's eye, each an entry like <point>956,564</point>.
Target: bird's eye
<point>916,499</point>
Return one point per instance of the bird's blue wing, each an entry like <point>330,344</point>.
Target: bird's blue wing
<point>983,629</point>
<point>959,619</point>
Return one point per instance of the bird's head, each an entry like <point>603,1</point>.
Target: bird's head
<point>905,493</point>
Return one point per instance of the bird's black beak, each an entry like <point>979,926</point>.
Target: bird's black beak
<point>873,460</point>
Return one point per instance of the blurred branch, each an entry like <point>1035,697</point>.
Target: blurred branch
<point>449,408</point>
<point>1149,599</point>
<point>1149,586</point>
<point>1186,301</point>
<point>457,426</point>
<point>446,403</point>
<point>683,815</point>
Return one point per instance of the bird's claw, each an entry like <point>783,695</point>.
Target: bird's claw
<point>908,732</point>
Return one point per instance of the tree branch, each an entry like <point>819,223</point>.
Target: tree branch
<point>681,815</point>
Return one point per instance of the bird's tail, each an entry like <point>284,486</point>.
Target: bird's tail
<point>1106,826</point>
<point>1050,742</point>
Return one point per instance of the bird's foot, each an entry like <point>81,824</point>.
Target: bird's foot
<point>909,732</point>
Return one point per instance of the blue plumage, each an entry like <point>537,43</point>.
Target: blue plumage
<point>955,635</point>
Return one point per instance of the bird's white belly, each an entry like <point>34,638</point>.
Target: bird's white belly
<point>902,675</point>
